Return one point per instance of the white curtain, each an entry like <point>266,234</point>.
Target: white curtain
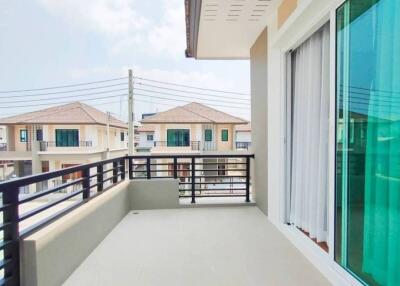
<point>310,114</point>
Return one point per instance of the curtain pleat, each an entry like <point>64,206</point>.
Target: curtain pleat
<point>308,208</point>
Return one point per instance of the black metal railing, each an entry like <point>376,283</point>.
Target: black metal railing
<point>199,176</point>
<point>3,146</point>
<point>194,145</point>
<point>44,145</point>
<point>243,145</point>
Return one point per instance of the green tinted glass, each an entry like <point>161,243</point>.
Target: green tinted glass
<point>367,230</point>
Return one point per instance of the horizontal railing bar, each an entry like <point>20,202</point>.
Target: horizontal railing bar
<point>219,176</point>
<point>215,170</point>
<point>221,163</point>
<point>213,196</point>
<point>23,181</point>
<point>6,243</point>
<point>212,190</point>
<point>212,183</point>
<point>4,262</point>
<point>26,232</point>
<point>4,207</point>
<point>5,225</point>
<point>47,192</point>
<point>49,205</point>
<point>193,155</point>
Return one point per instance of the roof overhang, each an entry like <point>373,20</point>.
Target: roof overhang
<point>225,29</point>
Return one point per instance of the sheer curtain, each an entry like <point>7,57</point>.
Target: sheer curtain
<point>310,115</point>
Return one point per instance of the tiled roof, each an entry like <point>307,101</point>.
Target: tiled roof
<point>243,128</point>
<point>193,113</point>
<point>145,129</point>
<point>72,113</point>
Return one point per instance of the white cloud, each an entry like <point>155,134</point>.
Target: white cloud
<point>124,25</point>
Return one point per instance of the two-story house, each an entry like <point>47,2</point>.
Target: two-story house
<point>194,128</point>
<point>60,137</point>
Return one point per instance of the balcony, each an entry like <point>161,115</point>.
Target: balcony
<point>3,146</point>
<point>243,145</point>
<point>46,145</point>
<point>131,220</point>
<point>177,146</point>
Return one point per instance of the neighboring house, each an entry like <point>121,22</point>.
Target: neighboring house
<point>60,137</point>
<point>3,137</point>
<point>193,128</point>
<point>145,139</point>
<point>325,84</point>
<point>243,137</point>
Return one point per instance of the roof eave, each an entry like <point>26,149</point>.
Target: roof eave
<point>192,17</point>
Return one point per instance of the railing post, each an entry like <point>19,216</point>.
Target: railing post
<point>148,168</point>
<point>122,162</point>
<point>130,168</point>
<point>247,179</point>
<point>11,233</point>
<point>100,178</point>
<point>175,168</point>
<point>193,180</point>
<point>115,172</point>
<point>86,183</point>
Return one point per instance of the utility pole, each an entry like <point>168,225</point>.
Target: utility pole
<point>108,134</point>
<point>131,116</point>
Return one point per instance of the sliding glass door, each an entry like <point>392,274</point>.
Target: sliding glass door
<point>367,224</point>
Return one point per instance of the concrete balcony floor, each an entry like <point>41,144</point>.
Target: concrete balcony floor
<point>196,246</point>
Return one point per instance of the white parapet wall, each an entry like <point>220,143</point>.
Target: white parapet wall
<point>49,256</point>
<point>154,194</point>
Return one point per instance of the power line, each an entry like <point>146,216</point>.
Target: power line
<point>67,91</point>
<point>190,86</point>
<point>98,104</point>
<point>180,100</point>
<point>63,86</point>
<point>190,97</point>
<point>64,97</point>
<point>192,92</point>
<point>65,102</point>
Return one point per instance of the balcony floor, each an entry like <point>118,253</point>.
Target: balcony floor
<point>196,246</point>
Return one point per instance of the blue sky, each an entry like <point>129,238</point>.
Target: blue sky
<point>52,42</point>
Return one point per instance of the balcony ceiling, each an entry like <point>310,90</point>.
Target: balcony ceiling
<point>228,28</point>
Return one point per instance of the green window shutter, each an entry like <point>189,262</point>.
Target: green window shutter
<point>67,138</point>
<point>224,135</point>
<point>208,135</point>
<point>178,137</point>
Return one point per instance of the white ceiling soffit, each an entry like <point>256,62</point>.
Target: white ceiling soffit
<point>228,28</point>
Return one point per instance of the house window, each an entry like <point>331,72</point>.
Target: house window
<point>224,135</point>
<point>67,137</point>
<point>39,134</point>
<point>23,135</point>
<point>208,135</point>
<point>150,137</point>
<point>367,224</point>
<point>122,136</point>
<point>178,137</point>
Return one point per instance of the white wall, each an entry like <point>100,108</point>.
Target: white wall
<point>143,142</point>
<point>3,134</point>
<point>259,101</point>
<point>243,136</point>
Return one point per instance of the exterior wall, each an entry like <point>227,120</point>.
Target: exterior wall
<point>18,145</point>
<point>286,8</point>
<point>243,136</point>
<point>225,145</point>
<point>3,134</point>
<point>143,142</point>
<point>259,103</point>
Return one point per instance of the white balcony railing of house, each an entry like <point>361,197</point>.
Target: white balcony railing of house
<point>193,145</point>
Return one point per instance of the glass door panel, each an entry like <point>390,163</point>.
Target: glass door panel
<point>367,224</point>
